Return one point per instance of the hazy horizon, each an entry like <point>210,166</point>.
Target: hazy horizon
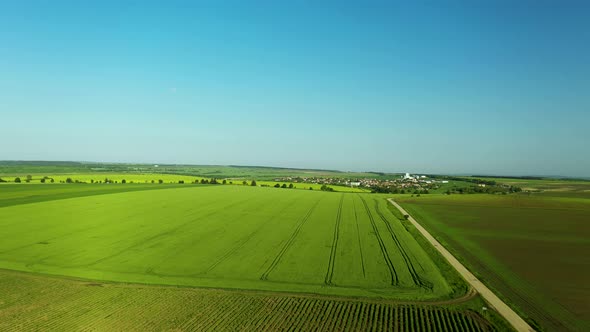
<point>556,176</point>
<point>498,88</point>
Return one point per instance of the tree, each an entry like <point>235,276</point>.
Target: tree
<point>181,181</point>
<point>253,183</point>
<point>290,186</point>
<point>69,180</point>
<point>245,183</point>
<point>123,181</point>
<point>43,180</point>
<point>17,180</point>
<point>224,181</point>
<point>204,181</point>
<point>160,181</point>
<point>277,185</point>
<point>326,188</point>
<point>29,178</point>
<point>52,180</point>
<point>310,188</point>
<point>284,185</point>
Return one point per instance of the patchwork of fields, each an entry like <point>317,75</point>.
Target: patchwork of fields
<point>533,249</point>
<point>223,236</point>
<point>97,179</point>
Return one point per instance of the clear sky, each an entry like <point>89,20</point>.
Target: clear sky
<point>498,87</point>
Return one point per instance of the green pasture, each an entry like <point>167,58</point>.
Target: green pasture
<point>533,249</point>
<point>239,237</point>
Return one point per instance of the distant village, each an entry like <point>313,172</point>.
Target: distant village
<point>405,183</point>
<point>413,183</point>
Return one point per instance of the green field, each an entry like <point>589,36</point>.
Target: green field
<point>182,256</point>
<point>222,236</point>
<point>59,304</point>
<point>533,249</point>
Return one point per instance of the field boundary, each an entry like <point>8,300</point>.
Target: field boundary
<point>492,299</point>
<point>262,292</point>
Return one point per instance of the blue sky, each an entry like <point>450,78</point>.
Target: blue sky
<point>498,87</point>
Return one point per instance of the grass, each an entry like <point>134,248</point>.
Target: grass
<point>237,237</point>
<point>533,249</point>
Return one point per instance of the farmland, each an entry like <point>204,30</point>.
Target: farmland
<point>224,236</point>
<point>533,249</point>
<point>92,306</point>
<point>176,256</point>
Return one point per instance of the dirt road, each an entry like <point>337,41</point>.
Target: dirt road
<point>512,317</point>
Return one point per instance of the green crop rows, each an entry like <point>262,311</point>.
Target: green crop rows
<point>66,305</point>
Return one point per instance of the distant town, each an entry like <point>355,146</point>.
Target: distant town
<point>411,183</point>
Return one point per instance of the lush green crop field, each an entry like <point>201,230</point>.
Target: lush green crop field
<point>14,194</point>
<point>39,303</point>
<point>222,236</point>
<point>534,249</point>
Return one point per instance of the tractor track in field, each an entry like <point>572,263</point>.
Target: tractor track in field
<point>358,236</point>
<point>418,280</point>
<point>386,257</point>
<point>163,234</point>
<point>245,240</point>
<point>332,261</point>
<point>288,244</point>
